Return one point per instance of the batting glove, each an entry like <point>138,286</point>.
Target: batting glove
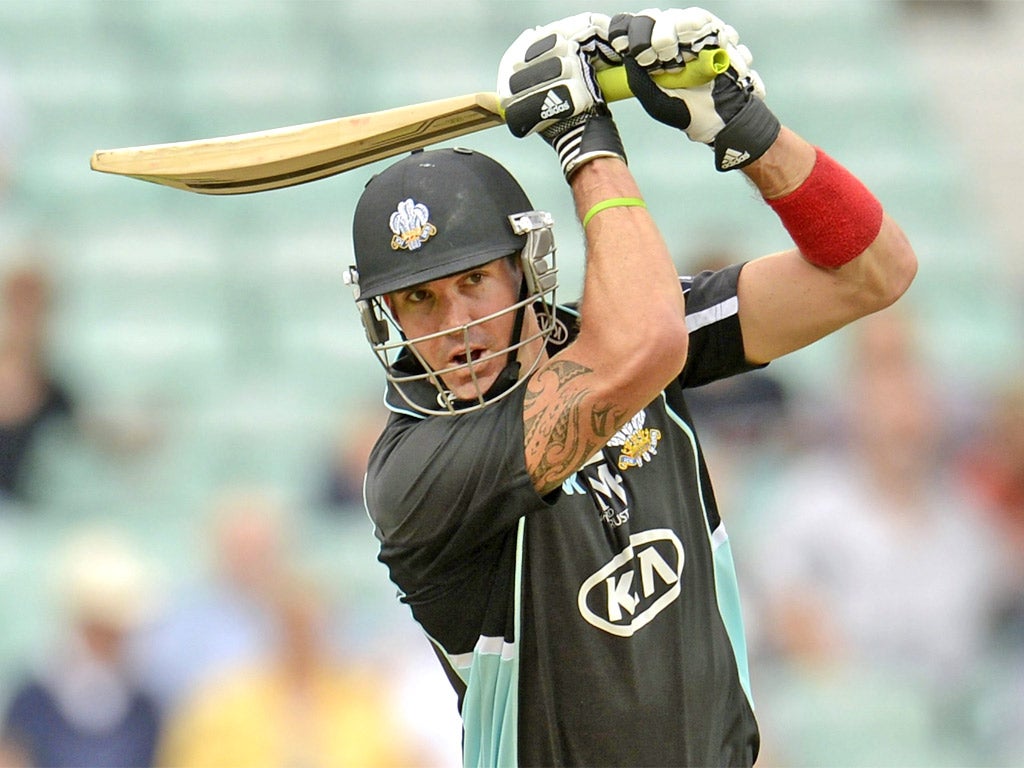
<point>727,113</point>
<point>547,85</point>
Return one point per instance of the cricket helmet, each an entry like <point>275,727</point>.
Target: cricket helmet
<point>435,214</point>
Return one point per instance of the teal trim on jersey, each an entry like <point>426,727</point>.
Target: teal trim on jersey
<point>727,593</point>
<point>490,707</point>
<point>489,711</point>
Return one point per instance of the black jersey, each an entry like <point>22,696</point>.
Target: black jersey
<point>599,625</point>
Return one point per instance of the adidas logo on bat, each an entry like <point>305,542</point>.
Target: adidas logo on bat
<point>553,105</point>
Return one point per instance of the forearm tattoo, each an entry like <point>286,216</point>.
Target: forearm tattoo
<point>567,431</point>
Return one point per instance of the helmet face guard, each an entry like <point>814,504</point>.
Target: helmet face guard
<point>422,388</point>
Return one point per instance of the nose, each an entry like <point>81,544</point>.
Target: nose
<point>454,312</point>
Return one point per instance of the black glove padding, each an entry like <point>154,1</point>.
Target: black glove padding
<point>727,113</point>
<point>547,85</point>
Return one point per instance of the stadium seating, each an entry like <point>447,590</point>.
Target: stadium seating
<point>226,318</point>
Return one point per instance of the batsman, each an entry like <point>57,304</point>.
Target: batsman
<point>539,492</point>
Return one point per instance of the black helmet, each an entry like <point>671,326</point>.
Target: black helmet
<point>434,214</point>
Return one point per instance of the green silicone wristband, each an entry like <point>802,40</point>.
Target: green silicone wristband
<point>613,202</point>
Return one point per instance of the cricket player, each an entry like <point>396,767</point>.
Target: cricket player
<point>539,492</point>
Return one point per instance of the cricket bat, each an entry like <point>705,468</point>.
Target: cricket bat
<point>284,157</point>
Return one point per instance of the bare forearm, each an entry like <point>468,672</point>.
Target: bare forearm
<point>851,258</point>
<point>784,167</point>
<point>836,222</point>
<point>629,266</point>
<point>632,340</point>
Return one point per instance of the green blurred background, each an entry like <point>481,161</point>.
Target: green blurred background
<point>209,342</point>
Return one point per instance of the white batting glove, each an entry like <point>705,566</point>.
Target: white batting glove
<point>547,85</point>
<point>728,113</point>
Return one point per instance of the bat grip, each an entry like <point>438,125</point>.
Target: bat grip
<point>709,63</point>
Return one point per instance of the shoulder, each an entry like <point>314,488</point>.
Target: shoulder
<point>146,709</point>
<point>31,704</point>
<point>409,443</point>
<point>444,459</point>
<point>404,429</point>
<point>30,692</point>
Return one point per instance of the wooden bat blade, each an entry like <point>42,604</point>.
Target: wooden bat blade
<point>283,157</point>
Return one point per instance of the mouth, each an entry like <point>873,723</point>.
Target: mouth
<point>460,359</point>
<point>470,371</point>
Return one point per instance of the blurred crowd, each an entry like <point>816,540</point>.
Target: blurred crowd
<point>232,649</point>
<point>248,663</point>
<point>882,581</point>
<point>878,528</point>
<point>879,531</point>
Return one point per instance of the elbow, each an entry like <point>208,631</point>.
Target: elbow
<point>654,352</point>
<point>884,272</point>
<point>679,346</point>
<point>667,348</point>
<point>638,352</point>
<point>907,273</point>
<point>900,269</point>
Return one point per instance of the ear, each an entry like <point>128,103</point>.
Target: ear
<point>515,262</point>
<point>390,304</point>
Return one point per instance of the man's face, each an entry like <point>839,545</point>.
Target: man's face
<point>449,304</point>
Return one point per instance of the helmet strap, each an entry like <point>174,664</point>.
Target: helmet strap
<point>517,326</point>
<point>510,373</point>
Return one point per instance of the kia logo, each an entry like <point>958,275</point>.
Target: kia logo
<point>636,585</point>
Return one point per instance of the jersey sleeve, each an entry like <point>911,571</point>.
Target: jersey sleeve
<point>712,320</point>
<point>439,488</point>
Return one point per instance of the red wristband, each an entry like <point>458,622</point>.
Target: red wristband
<point>832,217</point>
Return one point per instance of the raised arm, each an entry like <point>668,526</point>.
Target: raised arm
<point>632,340</point>
<point>850,258</point>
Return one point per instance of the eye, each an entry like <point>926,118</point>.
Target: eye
<point>475,278</point>
<point>417,296</point>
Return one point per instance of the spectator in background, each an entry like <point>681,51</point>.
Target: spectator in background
<point>298,705</point>
<point>224,619</point>
<point>993,465</point>
<point>30,396</point>
<point>876,579</point>
<point>346,467</point>
<point>994,468</point>
<point>83,708</point>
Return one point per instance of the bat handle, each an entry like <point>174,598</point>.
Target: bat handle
<point>709,63</point>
